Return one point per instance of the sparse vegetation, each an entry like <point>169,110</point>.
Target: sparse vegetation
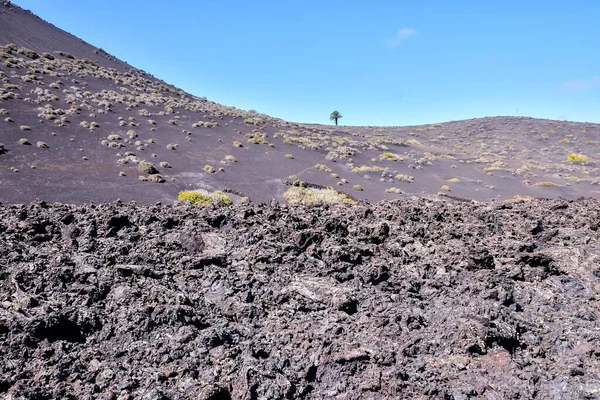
<point>65,54</point>
<point>114,136</point>
<point>24,142</point>
<point>404,178</point>
<point>204,198</point>
<point>238,144</point>
<point>25,128</point>
<point>394,190</point>
<point>289,156</point>
<point>358,188</point>
<point>164,164</point>
<point>321,167</point>
<point>256,138</point>
<point>209,169</point>
<point>204,124</point>
<point>545,184</point>
<point>42,145</point>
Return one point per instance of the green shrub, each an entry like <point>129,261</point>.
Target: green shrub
<point>147,167</point>
<point>11,63</point>
<point>156,178</point>
<point>28,52</point>
<point>255,138</point>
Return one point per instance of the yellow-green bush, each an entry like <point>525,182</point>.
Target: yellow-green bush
<point>201,197</point>
<point>301,195</point>
<point>390,156</point>
<point>366,168</point>
<point>574,157</point>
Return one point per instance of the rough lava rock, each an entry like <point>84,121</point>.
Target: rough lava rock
<point>412,299</point>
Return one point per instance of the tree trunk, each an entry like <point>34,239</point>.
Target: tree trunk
<point>336,122</point>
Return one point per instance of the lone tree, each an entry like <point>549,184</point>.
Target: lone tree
<point>335,116</point>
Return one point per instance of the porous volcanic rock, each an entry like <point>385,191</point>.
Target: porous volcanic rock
<point>410,299</point>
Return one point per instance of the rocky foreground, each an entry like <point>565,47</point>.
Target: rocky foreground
<point>413,299</point>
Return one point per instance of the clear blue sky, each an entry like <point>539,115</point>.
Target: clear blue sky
<point>382,62</point>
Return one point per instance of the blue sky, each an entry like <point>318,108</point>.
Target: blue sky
<point>387,62</point>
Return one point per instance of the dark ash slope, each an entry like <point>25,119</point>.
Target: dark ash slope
<point>75,98</point>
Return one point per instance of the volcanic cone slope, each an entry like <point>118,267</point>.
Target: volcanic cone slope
<point>76,122</point>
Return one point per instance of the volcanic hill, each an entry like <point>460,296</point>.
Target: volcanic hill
<point>76,122</point>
